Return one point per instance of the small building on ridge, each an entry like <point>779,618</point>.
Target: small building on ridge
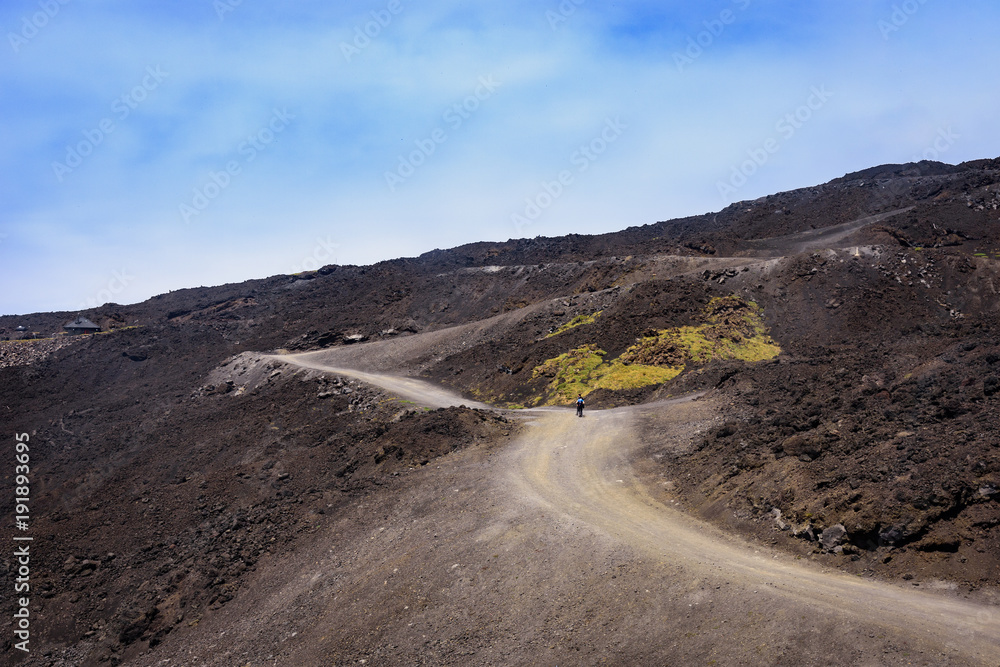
<point>81,325</point>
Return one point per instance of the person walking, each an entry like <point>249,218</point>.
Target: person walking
<point>579,405</point>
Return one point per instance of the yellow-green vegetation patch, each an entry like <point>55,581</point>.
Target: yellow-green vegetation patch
<point>582,370</point>
<point>732,329</point>
<point>571,372</point>
<point>577,321</point>
<point>620,376</point>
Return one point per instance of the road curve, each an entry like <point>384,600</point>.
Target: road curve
<point>410,389</point>
<point>580,468</point>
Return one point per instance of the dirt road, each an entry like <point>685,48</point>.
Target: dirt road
<point>582,470</point>
<point>407,388</point>
<point>817,239</point>
<point>552,550</point>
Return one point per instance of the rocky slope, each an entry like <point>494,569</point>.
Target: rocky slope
<point>168,461</point>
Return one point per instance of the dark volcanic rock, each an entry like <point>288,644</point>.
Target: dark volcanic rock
<point>879,420</point>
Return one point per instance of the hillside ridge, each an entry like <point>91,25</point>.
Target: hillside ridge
<point>842,335</point>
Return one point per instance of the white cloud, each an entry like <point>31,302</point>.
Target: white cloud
<point>325,173</point>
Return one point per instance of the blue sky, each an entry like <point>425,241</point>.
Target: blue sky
<point>156,146</point>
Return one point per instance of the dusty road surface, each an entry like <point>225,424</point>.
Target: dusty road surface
<point>584,471</point>
<point>817,239</point>
<point>407,388</point>
<point>551,552</point>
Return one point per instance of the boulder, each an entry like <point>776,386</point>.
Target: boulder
<point>833,537</point>
<point>805,531</point>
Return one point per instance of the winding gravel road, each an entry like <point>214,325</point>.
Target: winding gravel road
<point>579,469</point>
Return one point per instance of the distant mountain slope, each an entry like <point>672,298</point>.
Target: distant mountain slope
<point>169,443</point>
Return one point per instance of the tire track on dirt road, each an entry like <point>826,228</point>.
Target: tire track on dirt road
<point>817,239</point>
<point>580,468</point>
<point>409,389</point>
